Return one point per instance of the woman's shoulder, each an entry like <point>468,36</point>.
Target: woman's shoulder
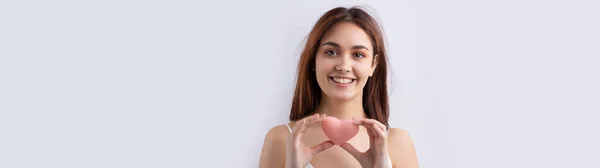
<point>397,132</point>
<point>278,133</point>
<point>273,152</point>
<point>401,148</point>
<point>398,135</point>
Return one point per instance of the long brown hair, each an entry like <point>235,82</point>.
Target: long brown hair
<point>307,94</point>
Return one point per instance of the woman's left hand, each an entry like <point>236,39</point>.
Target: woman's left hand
<point>377,155</point>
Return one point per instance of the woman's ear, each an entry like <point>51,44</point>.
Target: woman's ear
<point>374,64</point>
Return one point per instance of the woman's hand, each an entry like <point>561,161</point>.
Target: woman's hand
<point>377,155</point>
<point>299,155</point>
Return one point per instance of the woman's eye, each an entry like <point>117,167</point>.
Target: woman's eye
<point>359,55</point>
<point>330,52</point>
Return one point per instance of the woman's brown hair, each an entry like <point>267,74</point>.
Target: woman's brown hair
<point>307,94</point>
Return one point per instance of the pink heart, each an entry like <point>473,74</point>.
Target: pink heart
<point>339,131</point>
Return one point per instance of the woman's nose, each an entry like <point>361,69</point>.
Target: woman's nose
<point>344,63</point>
<point>342,68</point>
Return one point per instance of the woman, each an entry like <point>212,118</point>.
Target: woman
<point>342,73</point>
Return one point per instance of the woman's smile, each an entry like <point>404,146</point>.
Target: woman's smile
<point>342,81</point>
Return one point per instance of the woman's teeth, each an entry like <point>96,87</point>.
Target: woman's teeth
<point>342,80</point>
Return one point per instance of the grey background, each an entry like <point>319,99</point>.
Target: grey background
<point>199,83</point>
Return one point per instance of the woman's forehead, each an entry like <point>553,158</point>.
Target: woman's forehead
<point>347,35</point>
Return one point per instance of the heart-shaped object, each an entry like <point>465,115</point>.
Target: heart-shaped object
<point>339,131</point>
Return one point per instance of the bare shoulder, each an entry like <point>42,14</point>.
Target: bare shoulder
<point>399,140</point>
<point>401,149</point>
<point>273,150</point>
<point>277,133</point>
<point>396,134</point>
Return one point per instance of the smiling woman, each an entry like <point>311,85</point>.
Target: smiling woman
<point>343,63</point>
<point>342,73</point>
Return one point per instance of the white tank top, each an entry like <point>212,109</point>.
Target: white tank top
<point>311,166</point>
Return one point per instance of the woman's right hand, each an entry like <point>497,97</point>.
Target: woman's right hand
<point>298,155</point>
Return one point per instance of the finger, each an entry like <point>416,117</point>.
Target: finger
<point>316,118</point>
<point>352,150</point>
<point>383,128</point>
<point>371,130</point>
<point>376,126</point>
<point>296,133</point>
<point>321,147</point>
<point>357,121</point>
<point>372,121</point>
<point>360,121</point>
<point>377,130</point>
<point>297,125</point>
<point>302,122</point>
<point>380,131</point>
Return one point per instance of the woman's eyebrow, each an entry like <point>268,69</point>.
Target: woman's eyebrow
<point>331,44</point>
<point>359,47</point>
<point>338,46</point>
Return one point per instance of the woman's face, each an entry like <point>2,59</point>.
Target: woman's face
<point>344,61</point>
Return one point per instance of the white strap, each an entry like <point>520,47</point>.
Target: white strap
<point>289,128</point>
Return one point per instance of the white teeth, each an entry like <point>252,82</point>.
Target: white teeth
<point>342,80</point>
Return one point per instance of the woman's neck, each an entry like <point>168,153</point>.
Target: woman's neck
<point>341,109</point>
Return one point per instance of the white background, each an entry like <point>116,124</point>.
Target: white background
<point>198,84</point>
